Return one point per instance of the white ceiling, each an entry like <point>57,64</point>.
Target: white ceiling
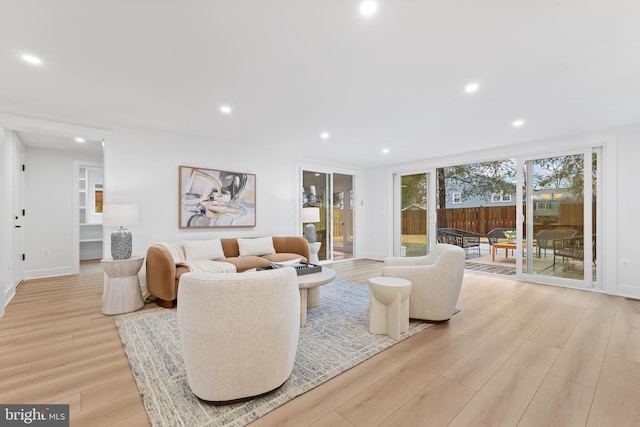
<point>294,68</point>
<point>57,142</point>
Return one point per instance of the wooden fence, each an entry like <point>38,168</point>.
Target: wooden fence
<point>483,219</point>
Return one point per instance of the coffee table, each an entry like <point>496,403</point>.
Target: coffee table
<point>309,285</point>
<point>504,245</point>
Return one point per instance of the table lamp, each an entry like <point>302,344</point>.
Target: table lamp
<point>120,215</point>
<point>309,216</point>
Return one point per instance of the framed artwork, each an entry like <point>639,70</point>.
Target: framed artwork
<point>210,198</point>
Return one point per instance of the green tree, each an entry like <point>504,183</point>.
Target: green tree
<point>414,190</point>
<point>474,179</point>
<point>564,172</point>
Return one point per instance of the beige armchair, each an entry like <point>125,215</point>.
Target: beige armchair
<point>436,281</point>
<point>239,332</point>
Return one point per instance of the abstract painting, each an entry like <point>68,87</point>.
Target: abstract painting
<point>210,198</point>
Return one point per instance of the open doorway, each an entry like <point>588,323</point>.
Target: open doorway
<point>59,196</point>
<point>331,197</point>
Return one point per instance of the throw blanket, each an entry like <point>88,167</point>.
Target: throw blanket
<point>176,251</point>
<point>208,266</point>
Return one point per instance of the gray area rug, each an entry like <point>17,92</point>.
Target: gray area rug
<point>335,339</point>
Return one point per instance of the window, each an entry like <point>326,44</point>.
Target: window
<point>497,198</point>
<point>542,206</point>
<point>457,198</point>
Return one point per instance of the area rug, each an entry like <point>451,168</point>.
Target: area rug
<point>335,339</point>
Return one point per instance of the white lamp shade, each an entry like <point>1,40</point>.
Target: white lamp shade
<point>310,214</point>
<point>119,215</point>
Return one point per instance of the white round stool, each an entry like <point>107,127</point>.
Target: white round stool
<point>389,306</point>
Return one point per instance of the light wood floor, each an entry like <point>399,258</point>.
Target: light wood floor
<point>517,354</point>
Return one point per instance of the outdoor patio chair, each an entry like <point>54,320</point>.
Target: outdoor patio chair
<point>467,240</point>
<point>544,238</point>
<point>572,248</point>
<point>497,235</point>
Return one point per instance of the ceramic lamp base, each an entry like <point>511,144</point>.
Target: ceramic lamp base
<point>121,244</point>
<point>310,233</point>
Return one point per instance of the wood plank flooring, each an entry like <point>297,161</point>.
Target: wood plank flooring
<point>518,354</point>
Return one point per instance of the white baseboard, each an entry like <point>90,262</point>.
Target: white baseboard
<point>48,272</point>
<point>8,296</point>
<point>628,291</point>
<point>373,256</point>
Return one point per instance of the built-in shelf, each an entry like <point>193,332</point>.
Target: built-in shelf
<point>90,236</point>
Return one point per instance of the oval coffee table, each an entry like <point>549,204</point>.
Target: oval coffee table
<point>309,285</point>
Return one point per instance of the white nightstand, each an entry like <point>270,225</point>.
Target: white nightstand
<point>122,293</point>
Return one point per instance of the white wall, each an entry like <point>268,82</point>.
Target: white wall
<point>6,225</point>
<point>49,204</point>
<point>141,167</point>
<point>628,220</point>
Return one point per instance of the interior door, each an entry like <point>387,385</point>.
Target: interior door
<point>18,210</point>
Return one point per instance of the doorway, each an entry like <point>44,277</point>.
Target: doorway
<point>332,197</point>
<point>560,211</point>
<point>411,221</point>
<point>19,210</point>
<point>535,217</point>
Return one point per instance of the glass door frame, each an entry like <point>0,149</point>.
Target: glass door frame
<point>397,207</point>
<point>527,217</point>
<point>330,171</point>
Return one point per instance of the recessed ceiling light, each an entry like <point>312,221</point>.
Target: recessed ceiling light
<point>472,87</point>
<point>368,7</point>
<point>32,59</point>
<point>225,109</point>
<point>80,140</point>
<point>385,151</point>
<point>325,135</point>
<point>518,123</point>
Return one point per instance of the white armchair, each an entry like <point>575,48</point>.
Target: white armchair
<point>239,331</point>
<point>436,280</point>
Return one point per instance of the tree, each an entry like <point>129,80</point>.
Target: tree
<point>414,190</point>
<point>476,179</point>
<point>565,172</point>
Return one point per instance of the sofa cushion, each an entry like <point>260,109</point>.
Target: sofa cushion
<point>256,247</point>
<point>280,257</point>
<point>203,249</point>
<point>245,263</point>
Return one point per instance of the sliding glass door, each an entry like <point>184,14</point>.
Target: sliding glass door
<point>331,199</point>
<point>558,202</point>
<point>412,213</point>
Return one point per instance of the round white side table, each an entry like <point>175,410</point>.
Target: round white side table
<point>122,293</point>
<point>389,306</point>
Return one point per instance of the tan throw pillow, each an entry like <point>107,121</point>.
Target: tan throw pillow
<point>203,249</point>
<point>256,247</point>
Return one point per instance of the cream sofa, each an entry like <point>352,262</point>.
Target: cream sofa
<point>167,261</point>
<point>238,332</point>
